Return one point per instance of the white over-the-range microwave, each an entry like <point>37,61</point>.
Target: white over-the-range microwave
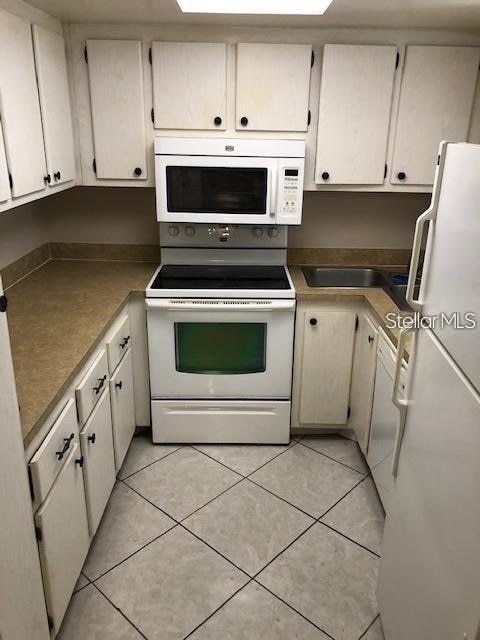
<point>229,181</point>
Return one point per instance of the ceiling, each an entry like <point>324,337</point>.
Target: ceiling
<point>409,14</point>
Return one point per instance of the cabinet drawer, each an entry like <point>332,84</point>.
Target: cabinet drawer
<point>98,460</point>
<point>118,342</point>
<point>64,537</point>
<point>52,454</point>
<point>90,389</point>
<point>123,408</point>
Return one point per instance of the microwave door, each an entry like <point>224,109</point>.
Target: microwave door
<point>215,189</point>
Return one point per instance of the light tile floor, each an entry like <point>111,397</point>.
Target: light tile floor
<point>225,542</point>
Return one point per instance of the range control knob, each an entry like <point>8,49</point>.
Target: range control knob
<point>173,230</point>
<point>257,232</point>
<point>189,230</point>
<point>273,232</point>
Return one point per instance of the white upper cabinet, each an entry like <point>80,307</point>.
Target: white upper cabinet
<point>189,85</point>
<point>273,86</point>
<point>4,183</point>
<point>118,109</point>
<point>20,107</point>
<point>354,113</point>
<point>436,101</point>
<point>52,78</point>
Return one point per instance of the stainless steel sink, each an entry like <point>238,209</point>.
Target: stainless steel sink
<point>345,277</point>
<point>397,293</point>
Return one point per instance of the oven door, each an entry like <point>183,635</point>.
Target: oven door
<point>215,189</point>
<point>220,348</point>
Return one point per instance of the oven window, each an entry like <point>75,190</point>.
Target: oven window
<point>220,348</point>
<point>216,190</point>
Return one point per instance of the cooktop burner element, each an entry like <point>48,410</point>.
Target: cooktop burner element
<point>218,277</point>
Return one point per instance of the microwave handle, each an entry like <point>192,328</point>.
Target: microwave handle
<point>273,173</point>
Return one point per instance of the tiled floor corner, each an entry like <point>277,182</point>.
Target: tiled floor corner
<point>185,531</point>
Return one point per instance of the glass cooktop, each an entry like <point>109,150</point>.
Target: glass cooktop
<point>172,276</point>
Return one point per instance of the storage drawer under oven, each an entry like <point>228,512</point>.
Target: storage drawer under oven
<point>220,348</point>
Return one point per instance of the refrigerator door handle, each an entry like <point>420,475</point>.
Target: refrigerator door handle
<point>400,403</point>
<point>429,215</point>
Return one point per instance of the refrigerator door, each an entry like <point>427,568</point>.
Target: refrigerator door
<point>429,582</point>
<point>451,280</point>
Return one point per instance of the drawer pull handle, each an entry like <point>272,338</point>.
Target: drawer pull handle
<point>92,438</point>
<point>101,382</point>
<point>370,338</point>
<point>79,461</point>
<point>66,447</point>
<point>124,342</point>
<point>119,385</point>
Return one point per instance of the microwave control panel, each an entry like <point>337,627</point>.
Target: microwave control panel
<point>291,194</point>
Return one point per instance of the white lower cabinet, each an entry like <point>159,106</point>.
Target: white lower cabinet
<point>63,534</point>
<point>96,442</point>
<point>324,340</point>
<point>123,408</point>
<point>363,380</point>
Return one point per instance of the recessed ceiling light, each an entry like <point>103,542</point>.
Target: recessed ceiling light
<point>264,7</point>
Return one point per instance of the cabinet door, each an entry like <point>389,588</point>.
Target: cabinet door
<point>4,183</point>
<point>123,408</point>
<point>363,380</point>
<point>52,78</point>
<point>189,85</point>
<point>436,102</point>
<point>20,107</point>
<point>118,110</point>
<point>99,465</point>
<point>64,537</point>
<point>354,113</point>
<point>273,86</point>
<point>325,349</point>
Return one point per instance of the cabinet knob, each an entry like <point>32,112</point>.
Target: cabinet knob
<point>57,175</point>
<point>119,385</point>
<point>92,438</point>
<point>217,121</point>
<point>370,338</point>
<point>137,171</point>
<point>244,121</point>
<point>325,175</point>
<point>79,461</point>
<point>313,321</point>
<point>47,179</point>
<point>401,175</point>
<point>3,304</point>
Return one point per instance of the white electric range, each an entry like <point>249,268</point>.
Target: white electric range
<point>220,318</point>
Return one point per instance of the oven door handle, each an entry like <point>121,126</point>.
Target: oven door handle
<point>220,305</point>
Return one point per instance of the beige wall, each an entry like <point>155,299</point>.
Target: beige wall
<point>21,230</point>
<point>127,216</point>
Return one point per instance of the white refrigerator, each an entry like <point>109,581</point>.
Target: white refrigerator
<point>429,582</point>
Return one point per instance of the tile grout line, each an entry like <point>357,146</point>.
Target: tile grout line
<point>344,496</point>
<point>280,498</point>
<point>119,611</point>
<point>370,626</point>
<point>334,459</point>
<point>293,608</point>
<point>150,464</point>
<point>350,539</point>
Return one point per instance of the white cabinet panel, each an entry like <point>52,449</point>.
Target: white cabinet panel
<point>64,537</point>
<point>55,103</point>
<point>354,113</point>
<point>20,107</point>
<point>436,101</point>
<point>363,380</point>
<point>118,111</point>
<point>323,366</point>
<point>123,408</point>
<point>4,183</point>
<point>99,465</point>
<point>189,85</point>
<point>273,86</point>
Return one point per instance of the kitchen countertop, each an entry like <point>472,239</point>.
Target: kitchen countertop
<point>57,315</point>
<point>376,299</point>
